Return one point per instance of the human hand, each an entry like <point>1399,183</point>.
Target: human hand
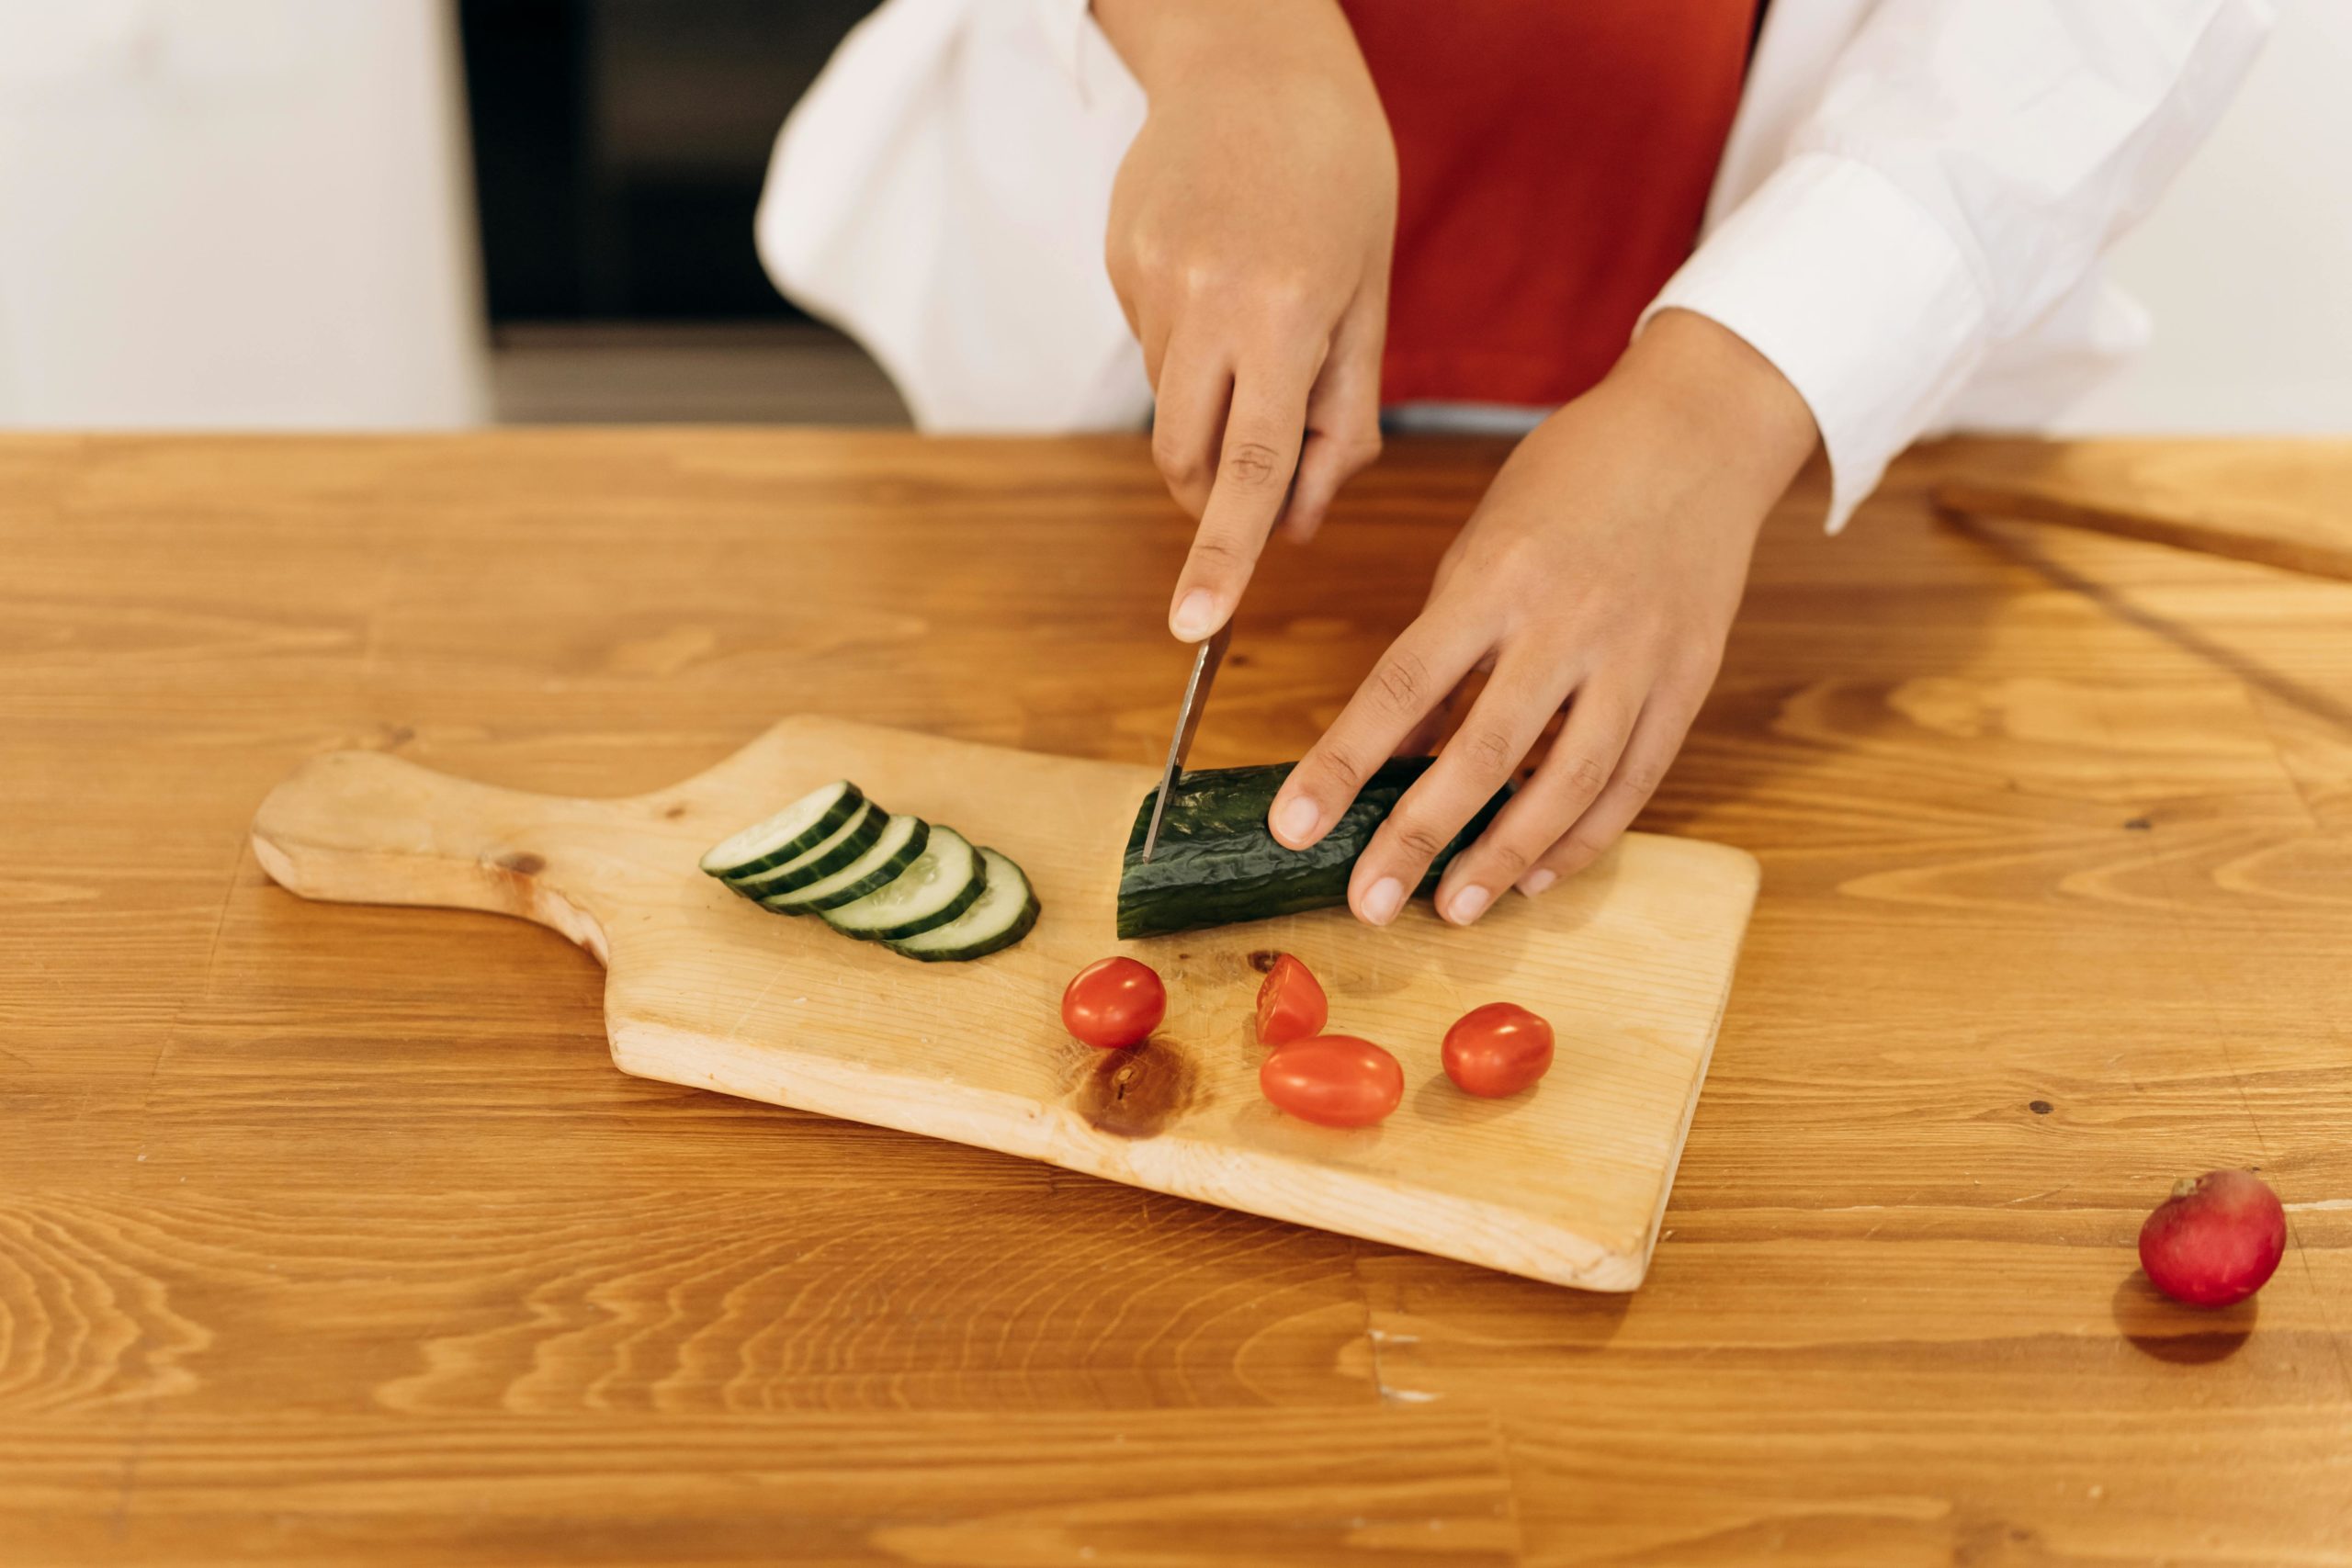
<point>1250,230</point>
<point>1599,573</point>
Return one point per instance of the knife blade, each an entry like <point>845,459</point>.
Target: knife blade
<point>1188,719</point>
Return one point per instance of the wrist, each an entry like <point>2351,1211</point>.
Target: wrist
<point>1719,390</point>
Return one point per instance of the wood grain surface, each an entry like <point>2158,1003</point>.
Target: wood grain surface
<point>2286,505</point>
<point>1565,1183</point>
<point>327,1236</point>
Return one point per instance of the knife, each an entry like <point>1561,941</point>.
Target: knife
<point>1188,719</point>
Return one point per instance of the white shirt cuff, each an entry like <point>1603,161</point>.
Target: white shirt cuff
<point>1856,294</point>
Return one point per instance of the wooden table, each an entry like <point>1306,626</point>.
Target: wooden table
<point>327,1234</point>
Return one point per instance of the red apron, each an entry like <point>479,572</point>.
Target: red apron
<point>1554,158</point>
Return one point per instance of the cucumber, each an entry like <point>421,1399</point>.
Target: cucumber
<point>1006,909</point>
<point>945,880</point>
<point>791,832</point>
<point>1216,864</point>
<point>902,840</point>
<point>848,841</point>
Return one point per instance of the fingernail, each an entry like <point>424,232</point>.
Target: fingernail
<point>1536,881</point>
<point>1193,616</point>
<point>1468,904</point>
<point>1294,824</point>
<point>1380,904</point>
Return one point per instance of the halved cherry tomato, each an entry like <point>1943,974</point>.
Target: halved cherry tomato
<point>1115,1002</point>
<point>1497,1050</point>
<point>1335,1080</point>
<point>1290,1004</point>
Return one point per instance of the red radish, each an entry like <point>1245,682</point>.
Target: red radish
<point>1290,1004</point>
<point>2215,1240</point>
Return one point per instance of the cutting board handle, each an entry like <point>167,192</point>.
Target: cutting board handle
<point>365,828</point>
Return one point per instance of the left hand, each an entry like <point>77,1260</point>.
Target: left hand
<point>1599,574</point>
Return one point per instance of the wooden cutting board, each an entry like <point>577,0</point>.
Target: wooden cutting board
<point>1631,961</point>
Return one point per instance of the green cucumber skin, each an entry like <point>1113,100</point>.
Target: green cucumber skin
<point>1021,927</point>
<point>1216,864</point>
<point>909,853</point>
<point>954,910</point>
<point>838,858</point>
<point>825,827</point>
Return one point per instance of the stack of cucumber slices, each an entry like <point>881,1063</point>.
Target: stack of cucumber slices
<point>917,888</point>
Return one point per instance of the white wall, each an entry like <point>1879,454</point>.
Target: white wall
<point>235,213</point>
<point>2246,263</point>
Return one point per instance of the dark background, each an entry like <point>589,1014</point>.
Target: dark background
<point>618,148</point>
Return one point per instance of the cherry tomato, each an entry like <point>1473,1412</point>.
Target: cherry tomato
<point>1497,1050</point>
<point>1335,1081</point>
<point>1290,1004</point>
<point>1115,1002</point>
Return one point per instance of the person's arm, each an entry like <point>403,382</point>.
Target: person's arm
<point>1964,166</point>
<point>1960,174</point>
<point>1250,238</point>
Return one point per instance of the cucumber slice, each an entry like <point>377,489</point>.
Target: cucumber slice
<point>902,841</point>
<point>1006,910</point>
<point>791,832</point>
<point>850,839</point>
<point>945,880</point>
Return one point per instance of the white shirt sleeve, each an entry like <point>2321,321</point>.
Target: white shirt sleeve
<point>1070,34</point>
<point>940,193</point>
<point>1963,167</point>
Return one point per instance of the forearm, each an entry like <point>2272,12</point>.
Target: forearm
<point>1163,41</point>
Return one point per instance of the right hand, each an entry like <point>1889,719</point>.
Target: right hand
<point>1250,231</point>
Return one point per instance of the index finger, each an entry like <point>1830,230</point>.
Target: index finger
<point>1263,429</point>
<point>1420,667</point>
